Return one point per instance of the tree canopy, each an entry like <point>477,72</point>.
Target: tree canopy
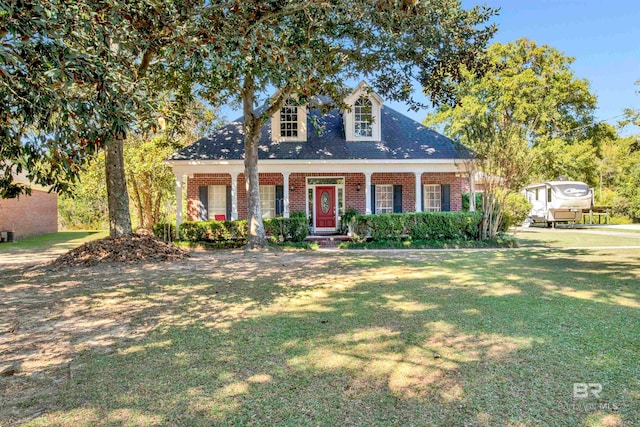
<point>526,114</point>
<point>244,48</point>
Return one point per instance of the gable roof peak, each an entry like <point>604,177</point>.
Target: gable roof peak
<point>363,88</point>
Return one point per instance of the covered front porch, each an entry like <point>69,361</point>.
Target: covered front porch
<point>323,191</point>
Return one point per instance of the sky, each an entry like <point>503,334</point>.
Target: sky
<point>603,36</point>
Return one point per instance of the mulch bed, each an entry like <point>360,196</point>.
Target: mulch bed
<point>138,248</point>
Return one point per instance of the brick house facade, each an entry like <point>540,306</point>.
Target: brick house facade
<point>371,159</point>
<point>30,215</point>
<point>354,197</point>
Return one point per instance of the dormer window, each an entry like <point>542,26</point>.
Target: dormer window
<point>362,121</point>
<point>362,118</point>
<point>289,120</point>
<point>291,123</point>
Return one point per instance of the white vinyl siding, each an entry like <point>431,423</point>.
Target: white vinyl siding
<point>217,200</point>
<point>432,197</point>
<point>384,199</point>
<point>268,200</point>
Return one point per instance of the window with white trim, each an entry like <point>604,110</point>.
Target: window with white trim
<point>384,199</point>
<point>432,197</point>
<point>289,120</point>
<point>217,200</point>
<point>268,201</point>
<point>363,117</point>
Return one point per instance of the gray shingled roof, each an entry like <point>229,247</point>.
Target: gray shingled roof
<point>402,139</point>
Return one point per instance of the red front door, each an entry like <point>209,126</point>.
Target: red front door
<point>326,207</point>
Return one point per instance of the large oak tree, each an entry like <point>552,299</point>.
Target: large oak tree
<point>81,76</point>
<point>247,48</point>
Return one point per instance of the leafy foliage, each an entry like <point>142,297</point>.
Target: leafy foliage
<point>294,229</point>
<point>310,48</point>
<point>524,113</point>
<point>515,210</point>
<point>502,241</point>
<point>347,219</point>
<point>165,231</point>
<point>234,232</point>
<point>417,226</point>
<point>85,206</point>
<point>466,201</point>
<point>80,76</point>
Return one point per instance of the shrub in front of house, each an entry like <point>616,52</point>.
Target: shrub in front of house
<point>164,230</point>
<point>232,232</point>
<point>294,228</point>
<point>417,226</point>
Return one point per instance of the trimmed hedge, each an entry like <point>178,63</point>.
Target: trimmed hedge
<point>164,230</point>
<point>215,231</point>
<point>418,226</point>
<point>294,229</point>
<point>235,232</point>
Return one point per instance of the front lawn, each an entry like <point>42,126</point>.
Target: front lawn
<point>61,241</point>
<point>351,338</point>
<point>581,238</point>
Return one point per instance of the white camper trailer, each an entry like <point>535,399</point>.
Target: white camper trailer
<point>558,201</point>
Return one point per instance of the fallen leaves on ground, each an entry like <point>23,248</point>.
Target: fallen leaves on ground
<point>136,248</point>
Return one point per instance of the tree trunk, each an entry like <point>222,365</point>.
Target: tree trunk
<point>252,126</point>
<point>117,196</point>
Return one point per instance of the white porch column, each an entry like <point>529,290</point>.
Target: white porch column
<point>234,195</point>
<point>472,192</point>
<point>367,192</point>
<point>285,194</point>
<point>178,201</point>
<point>418,191</point>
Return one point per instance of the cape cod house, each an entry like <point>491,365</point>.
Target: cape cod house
<point>371,158</point>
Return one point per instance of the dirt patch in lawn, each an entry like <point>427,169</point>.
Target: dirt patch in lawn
<point>49,316</point>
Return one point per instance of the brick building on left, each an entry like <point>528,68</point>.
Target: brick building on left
<point>31,215</point>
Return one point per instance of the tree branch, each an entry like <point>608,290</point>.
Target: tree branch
<point>284,11</point>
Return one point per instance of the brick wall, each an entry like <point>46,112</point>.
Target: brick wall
<point>408,182</point>
<point>30,215</point>
<point>193,184</point>
<point>457,184</point>
<point>354,199</point>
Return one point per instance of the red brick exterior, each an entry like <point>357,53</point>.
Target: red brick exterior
<point>30,215</point>
<point>457,186</point>
<point>193,197</point>
<point>354,199</point>
<point>408,182</point>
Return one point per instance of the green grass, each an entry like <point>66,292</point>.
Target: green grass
<point>307,338</point>
<point>574,238</point>
<point>499,242</point>
<point>62,240</point>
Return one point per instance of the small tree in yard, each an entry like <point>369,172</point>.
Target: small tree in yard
<point>527,99</point>
<point>307,48</point>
